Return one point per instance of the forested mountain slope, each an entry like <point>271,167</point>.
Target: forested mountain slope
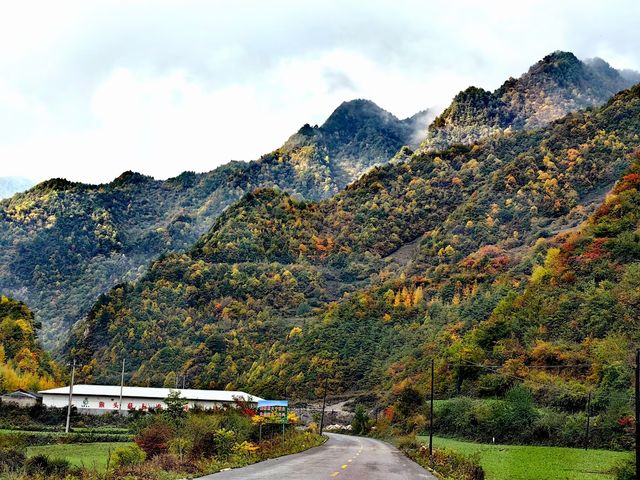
<point>560,317</point>
<point>276,292</point>
<point>62,244</point>
<point>556,85</point>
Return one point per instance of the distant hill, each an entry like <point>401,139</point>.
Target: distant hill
<point>556,85</point>
<point>281,293</point>
<point>62,243</point>
<point>9,186</point>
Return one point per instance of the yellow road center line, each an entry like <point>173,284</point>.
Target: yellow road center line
<point>343,467</point>
<point>335,474</point>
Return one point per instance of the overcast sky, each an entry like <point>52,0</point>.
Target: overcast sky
<point>89,89</point>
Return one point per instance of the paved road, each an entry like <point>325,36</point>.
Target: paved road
<point>342,457</point>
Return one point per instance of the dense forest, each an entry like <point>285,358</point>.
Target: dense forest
<point>556,85</point>
<point>62,244</point>
<point>23,362</point>
<point>456,255</point>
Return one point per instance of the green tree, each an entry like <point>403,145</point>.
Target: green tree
<point>169,380</point>
<point>360,423</point>
<point>409,401</point>
<point>175,404</point>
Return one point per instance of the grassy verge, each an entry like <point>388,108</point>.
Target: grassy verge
<point>295,443</point>
<point>34,437</point>
<point>93,456</point>
<point>89,455</point>
<point>59,429</point>
<point>515,462</point>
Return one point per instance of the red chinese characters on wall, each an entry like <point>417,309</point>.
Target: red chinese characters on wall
<point>100,404</point>
<point>130,406</point>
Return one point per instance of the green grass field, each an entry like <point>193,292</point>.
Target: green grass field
<point>91,455</point>
<point>514,462</point>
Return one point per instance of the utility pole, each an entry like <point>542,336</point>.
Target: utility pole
<point>638,413</point>
<point>431,411</point>
<point>324,402</point>
<point>73,373</point>
<point>586,441</point>
<point>121,388</point>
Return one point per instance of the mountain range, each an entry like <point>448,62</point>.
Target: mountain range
<point>65,243</point>
<point>409,261</point>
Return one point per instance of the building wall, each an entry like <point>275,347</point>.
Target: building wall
<point>97,405</point>
<point>21,402</point>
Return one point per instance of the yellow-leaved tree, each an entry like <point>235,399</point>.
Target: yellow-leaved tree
<point>23,363</point>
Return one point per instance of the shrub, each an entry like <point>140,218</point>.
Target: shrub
<point>218,443</point>
<point>168,462</point>
<point>625,470</point>
<point>224,441</point>
<point>548,426</point>
<point>382,428</point>
<point>137,425</point>
<point>155,438</point>
<point>246,448</point>
<point>312,427</point>
<point>198,431</point>
<point>292,418</point>
<point>233,420</point>
<point>179,446</point>
<point>360,423</point>
<point>572,433</point>
<point>11,459</point>
<point>12,441</point>
<point>47,467</point>
<point>516,413</point>
<point>129,455</point>
<point>409,401</point>
<point>447,463</point>
<point>409,443</point>
<point>452,464</point>
<point>454,416</point>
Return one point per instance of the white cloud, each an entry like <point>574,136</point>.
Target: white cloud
<point>90,89</point>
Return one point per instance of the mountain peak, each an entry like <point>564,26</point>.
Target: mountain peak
<point>131,178</point>
<point>554,86</point>
<point>55,184</point>
<point>356,136</point>
<point>356,111</point>
<point>559,66</point>
<point>560,56</point>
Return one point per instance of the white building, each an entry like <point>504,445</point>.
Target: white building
<point>21,398</point>
<point>99,399</point>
